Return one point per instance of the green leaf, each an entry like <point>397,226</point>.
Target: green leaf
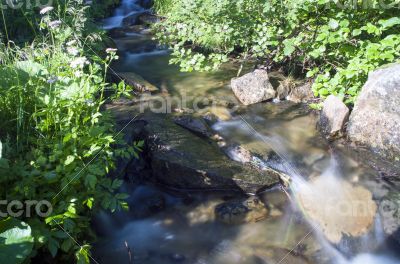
<point>53,246</point>
<point>388,23</point>
<point>16,241</point>
<point>31,68</point>
<point>289,47</point>
<point>82,256</point>
<point>356,32</point>
<point>67,245</point>
<point>116,184</point>
<point>4,164</point>
<point>122,196</point>
<point>91,181</point>
<point>89,202</point>
<point>69,160</point>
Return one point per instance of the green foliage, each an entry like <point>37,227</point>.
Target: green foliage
<point>16,241</point>
<point>336,42</point>
<point>56,143</point>
<point>103,8</point>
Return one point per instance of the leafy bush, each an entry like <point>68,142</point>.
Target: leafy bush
<point>336,42</point>
<point>56,144</point>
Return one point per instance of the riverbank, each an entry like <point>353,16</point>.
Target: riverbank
<point>56,147</point>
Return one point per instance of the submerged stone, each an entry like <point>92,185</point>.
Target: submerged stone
<point>239,211</point>
<point>337,207</point>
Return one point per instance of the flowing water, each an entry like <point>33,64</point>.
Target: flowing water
<point>331,192</point>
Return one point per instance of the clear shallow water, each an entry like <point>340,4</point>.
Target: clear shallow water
<point>185,230</point>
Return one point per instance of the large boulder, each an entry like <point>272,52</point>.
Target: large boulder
<point>181,159</point>
<point>334,116</point>
<point>375,120</point>
<point>181,156</point>
<point>253,87</point>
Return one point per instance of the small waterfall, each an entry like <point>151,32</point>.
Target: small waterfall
<point>328,185</point>
<point>127,8</point>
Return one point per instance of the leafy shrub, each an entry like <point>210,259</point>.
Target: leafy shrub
<point>56,144</point>
<point>336,42</point>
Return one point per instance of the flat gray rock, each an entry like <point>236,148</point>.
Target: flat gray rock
<point>253,87</point>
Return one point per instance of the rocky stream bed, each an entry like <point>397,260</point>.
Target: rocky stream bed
<point>220,182</point>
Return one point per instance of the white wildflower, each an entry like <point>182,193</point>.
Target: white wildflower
<point>111,50</point>
<point>73,51</point>
<point>70,43</point>
<point>46,10</point>
<point>78,74</point>
<point>54,24</point>
<point>89,102</point>
<point>79,62</point>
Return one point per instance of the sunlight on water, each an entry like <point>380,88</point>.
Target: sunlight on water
<point>332,206</point>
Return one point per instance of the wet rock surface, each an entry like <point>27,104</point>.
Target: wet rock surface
<point>195,125</point>
<point>136,81</point>
<point>130,20</point>
<point>238,153</point>
<point>241,211</point>
<point>389,210</point>
<point>183,160</point>
<point>334,117</point>
<point>148,19</point>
